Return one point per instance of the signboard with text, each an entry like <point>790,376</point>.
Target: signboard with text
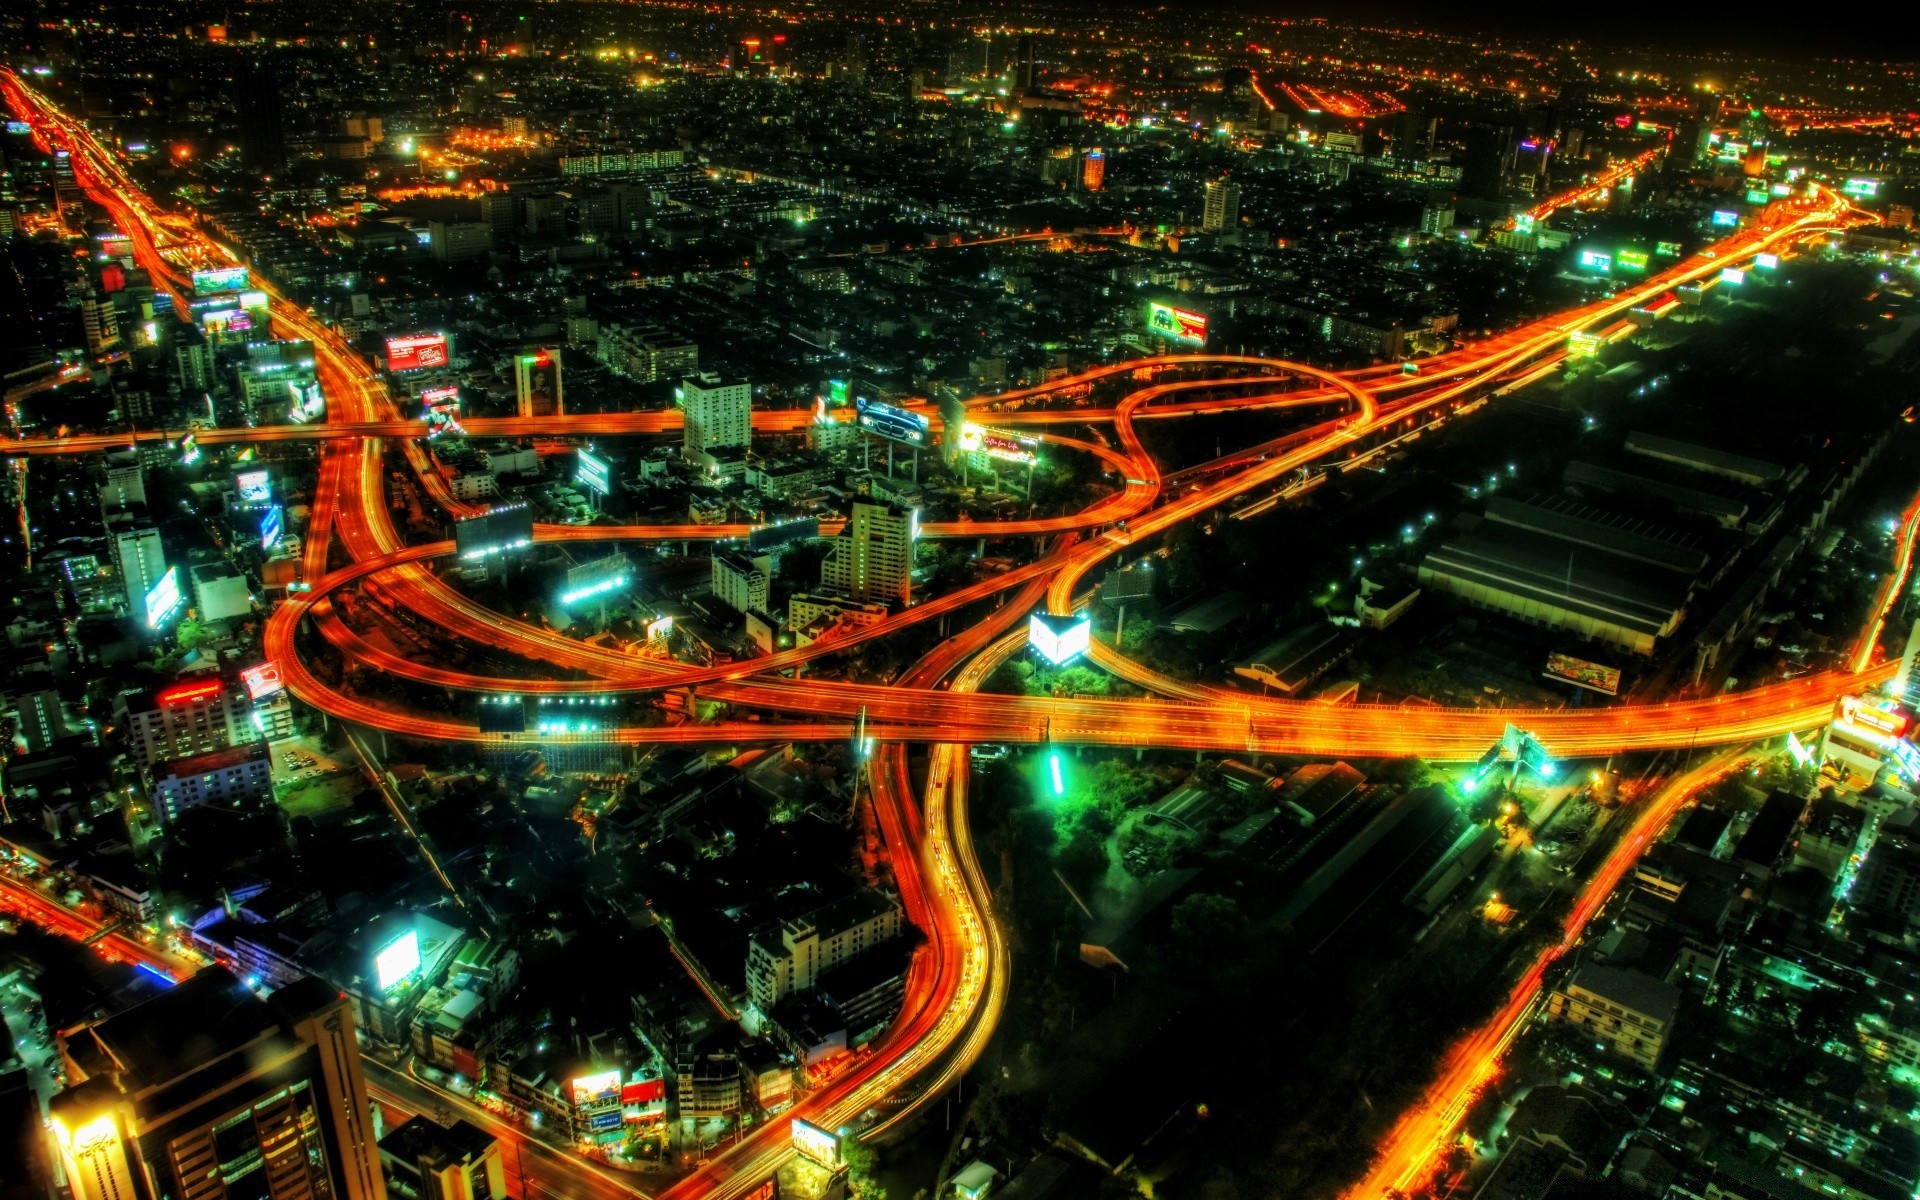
<point>416,352</point>
<point>1581,673</point>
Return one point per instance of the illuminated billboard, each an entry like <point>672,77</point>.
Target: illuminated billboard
<point>837,390</point>
<point>255,487</point>
<point>1883,719</point>
<point>307,403</point>
<point>593,473</point>
<point>226,320</point>
<point>1906,760</point>
<point>271,527</point>
<point>599,1088</point>
<point>600,577</point>
<point>416,351</point>
<point>894,424</point>
<point>1060,640</point>
<point>440,409</point>
<point>996,443</point>
<point>1596,260</point>
<point>163,598</point>
<point>815,1143</point>
<point>1581,673</point>
<point>397,962</point>
<point>189,693</point>
<point>253,301</point>
<point>501,528</point>
<point>1726,218</point>
<point>1668,249</point>
<point>1584,345</point>
<point>1180,324</point>
<point>1633,260</point>
<point>262,681</point>
<point>1732,276</point>
<point>1865,189</point>
<point>219,279</point>
<point>1766,262</point>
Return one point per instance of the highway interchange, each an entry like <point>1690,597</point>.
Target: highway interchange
<point>957,981</point>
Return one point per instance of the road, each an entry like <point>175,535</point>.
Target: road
<point>1334,420</point>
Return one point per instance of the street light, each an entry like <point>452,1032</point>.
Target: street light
<point>1053,768</point>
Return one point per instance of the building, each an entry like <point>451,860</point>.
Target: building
<point>740,582</point>
<point>537,386</point>
<point>708,1085</point>
<point>425,1161</point>
<point>647,353</point>
<point>233,777</point>
<point>1630,1011</point>
<point>101,323</point>
<point>141,562</point>
<point>1093,169</point>
<point>719,413</point>
<point>872,559</point>
<point>198,715</point>
<point>208,1091</point>
<point>124,490</point>
<point>1888,885</point>
<point>458,241</point>
<point>791,958</point>
<point>220,593</point>
<point>193,359</point>
<point>39,720</point>
<point>1222,208</point>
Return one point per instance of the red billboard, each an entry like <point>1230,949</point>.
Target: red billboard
<point>416,351</point>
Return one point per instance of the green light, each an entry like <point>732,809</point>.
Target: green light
<point>1053,766</point>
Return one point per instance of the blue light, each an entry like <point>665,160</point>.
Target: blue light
<point>157,973</point>
<point>1059,782</point>
<point>1548,770</point>
<point>1470,784</point>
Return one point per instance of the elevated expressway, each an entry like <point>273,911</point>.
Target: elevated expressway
<point>957,980</point>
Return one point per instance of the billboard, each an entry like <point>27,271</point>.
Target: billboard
<point>894,424</point>
<point>1864,189</point>
<point>397,961</point>
<point>255,487</point>
<point>1668,249</point>
<point>1906,760</point>
<point>1596,260</point>
<point>1581,673</point>
<point>1584,345</point>
<point>997,443</point>
<point>815,1143</point>
<point>1633,260</point>
<point>600,1087</point>
<point>440,409</point>
<point>219,279</point>
<point>772,537</point>
<point>189,693</point>
<point>308,404</point>
<point>271,527</point>
<point>1180,324</point>
<point>1884,720</point>
<point>836,393</point>
<point>262,681</point>
<point>226,320</point>
<point>597,578</point>
<point>1732,276</point>
<point>254,301</point>
<point>1060,640</point>
<point>163,598</point>
<point>593,473</point>
<point>1766,262</point>
<point>1726,218</point>
<point>501,528</point>
<point>416,351</point>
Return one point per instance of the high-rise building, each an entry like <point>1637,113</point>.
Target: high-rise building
<point>872,559</point>
<point>742,582</point>
<point>193,358</point>
<point>207,1092</point>
<point>235,777</point>
<point>1222,209</point>
<point>1093,170</point>
<point>124,490</point>
<point>719,412</point>
<point>197,715</point>
<point>1437,215</point>
<point>41,720</point>
<point>501,212</point>
<point>537,388</point>
<point>141,561</point>
<point>101,322</point>
<point>788,959</point>
<point>453,1162</point>
<point>458,241</point>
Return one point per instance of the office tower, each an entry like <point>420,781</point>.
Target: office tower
<point>791,958</point>
<point>1436,217</point>
<point>1490,155</point>
<point>1222,206</point>
<point>259,114</point>
<point>207,1092</point>
<point>719,412</point>
<point>459,241</point>
<point>872,559</point>
<point>41,720</point>
<point>742,581</point>
<point>537,389</point>
<point>141,561</point>
<point>193,358</point>
<point>1093,170</point>
<point>1023,65</point>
